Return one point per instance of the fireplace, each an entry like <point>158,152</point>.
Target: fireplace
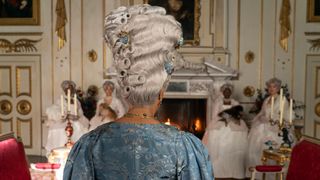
<point>187,114</point>
<point>190,94</point>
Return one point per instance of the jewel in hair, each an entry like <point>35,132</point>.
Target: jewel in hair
<point>168,66</point>
<point>180,41</point>
<point>123,37</point>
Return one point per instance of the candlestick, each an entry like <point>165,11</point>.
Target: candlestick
<point>280,102</point>
<point>272,106</point>
<point>291,109</point>
<point>75,104</point>
<point>69,99</point>
<point>61,102</point>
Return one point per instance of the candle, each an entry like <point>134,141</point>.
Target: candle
<point>69,99</point>
<point>75,104</point>
<point>280,102</point>
<point>291,109</point>
<point>272,105</point>
<point>282,109</point>
<point>61,101</point>
<point>168,122</point>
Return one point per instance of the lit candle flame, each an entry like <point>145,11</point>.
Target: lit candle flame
<point>168,122</point>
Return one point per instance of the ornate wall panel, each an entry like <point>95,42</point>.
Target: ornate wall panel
<point>23,81</point>
<point>5,81</point>
<point>317,83</point>
<point>24,130</point>
<point>6,125</point>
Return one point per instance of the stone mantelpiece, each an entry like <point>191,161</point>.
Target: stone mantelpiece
<point>201,85</point>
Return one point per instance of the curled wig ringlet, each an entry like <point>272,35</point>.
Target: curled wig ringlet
<point>143,41</point>
<point>277,82</point>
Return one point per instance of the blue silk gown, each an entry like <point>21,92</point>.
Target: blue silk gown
<point>123,151</point>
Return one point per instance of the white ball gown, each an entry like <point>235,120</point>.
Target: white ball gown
<point>262,131</point>
<point>227,145</point>
<point>56,126</point>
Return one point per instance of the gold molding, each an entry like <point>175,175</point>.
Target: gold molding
<point>70,41</point>
<point>238,34</point>
<point>10,81</point>
<point>5,107</point>
<point>34,20</point>
<point>249,57</point>
<point>18,80</point>
<point>312,33</point>
<point>21,33</point>
<point>20,45</point>
<point>293,46</point>
<point>249,91</point>
<point>92,55</point>
<point>316,95</point>
<point>275,39</point>
<point>196,38</point>
<point>315,44</point>
<point>261,45</point>
<point>6,120</point>
<point>19,122</point>
<point>316,123</point>
<point>317,109</point>
<point>104,49</point>
<point>24,107</point>
<point>82,54</point>
<point>310,12</point>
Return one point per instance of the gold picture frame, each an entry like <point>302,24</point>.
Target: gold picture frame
<point>313,11</point>
<point>24,12</point>
<point>187,13</point>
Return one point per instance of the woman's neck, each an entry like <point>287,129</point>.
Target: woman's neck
<point>143,115</point>
<point>227,101</point>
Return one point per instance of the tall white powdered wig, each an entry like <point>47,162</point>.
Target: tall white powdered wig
<point>143,40</point>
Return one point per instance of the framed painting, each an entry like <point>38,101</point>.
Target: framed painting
<point>187,12</point>
<point>313,11</point>
<point>19,12</point>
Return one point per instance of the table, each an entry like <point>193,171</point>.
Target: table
<point>280,156</point>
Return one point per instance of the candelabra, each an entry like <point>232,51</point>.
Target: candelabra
<point>69,129</point>
<point>284,132</point>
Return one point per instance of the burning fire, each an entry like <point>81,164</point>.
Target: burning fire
<point>197,125</point>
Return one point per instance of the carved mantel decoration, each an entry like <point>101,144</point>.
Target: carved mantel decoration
<point>20,45</point>
<point>315,44</point>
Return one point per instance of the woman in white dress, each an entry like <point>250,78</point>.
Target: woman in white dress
<point>56,125</point>
<point>261,129</point>
<point>111,100</point>
<point>221,103</point>
<point>227,143</point>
